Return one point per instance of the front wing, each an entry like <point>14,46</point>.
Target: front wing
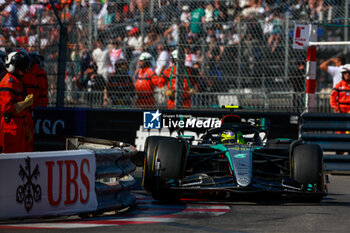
<point>227,184</point>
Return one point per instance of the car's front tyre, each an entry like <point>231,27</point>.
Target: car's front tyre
<point>307,169</point>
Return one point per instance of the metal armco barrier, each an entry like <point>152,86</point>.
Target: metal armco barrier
<point>321,128</point>
<point>91,177</point>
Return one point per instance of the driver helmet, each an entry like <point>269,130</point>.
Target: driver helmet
<point>228,136</point>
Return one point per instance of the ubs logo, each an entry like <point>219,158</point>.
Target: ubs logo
<point>29,191</point>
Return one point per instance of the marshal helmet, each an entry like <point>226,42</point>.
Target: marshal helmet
<point>17,60</point>
<point>174,54</point>
<point>345,68</point>
<point>145,56</point>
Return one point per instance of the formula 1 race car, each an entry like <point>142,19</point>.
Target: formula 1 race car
<point>235,158</point>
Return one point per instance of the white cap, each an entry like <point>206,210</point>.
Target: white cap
<point>128,28</point>
<point>185,8</point>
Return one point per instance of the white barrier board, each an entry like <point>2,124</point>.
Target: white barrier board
<point>47,183</point>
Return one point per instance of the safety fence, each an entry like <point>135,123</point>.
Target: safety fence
<point>331,132</point>
<point>89,178</point>
<point>233,47</point>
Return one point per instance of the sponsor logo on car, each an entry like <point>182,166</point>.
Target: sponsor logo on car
<point>240,156</point>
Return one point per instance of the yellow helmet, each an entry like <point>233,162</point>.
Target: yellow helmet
<point>228,136</point>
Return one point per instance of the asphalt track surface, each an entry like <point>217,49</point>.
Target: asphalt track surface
<point>202,215</point>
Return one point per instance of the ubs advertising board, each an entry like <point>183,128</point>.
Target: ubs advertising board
<point>47,184</point>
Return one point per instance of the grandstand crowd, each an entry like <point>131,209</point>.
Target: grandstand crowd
<point>106,34</point>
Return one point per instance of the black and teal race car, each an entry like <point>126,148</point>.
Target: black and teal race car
<point>235,158</point>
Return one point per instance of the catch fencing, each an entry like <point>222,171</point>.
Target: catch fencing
<point>240,51</point>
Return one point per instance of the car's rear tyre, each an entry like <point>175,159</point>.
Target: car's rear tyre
<point>307,169</point>
<point>151,144</point>
<point>170,160</point>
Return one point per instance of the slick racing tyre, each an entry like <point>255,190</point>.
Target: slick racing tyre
<point>147,174</point>
<point>170,164</point>
<point>307,169</point>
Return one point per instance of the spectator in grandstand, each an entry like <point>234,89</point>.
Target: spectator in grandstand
<point>268,22</point>
<point>163,58</point>
<point>82,10</point>
<point>277,30</point>
<point>253,8</point>
<point>11,15</point>
<point>95,85</point>
<point>220,12</point>
<point>120,89</point>
<point>67,11</point>
<point>22,38</point>
<point>185,16</point>
<point>115,54</point>
<point>315,9</point>
<point>134,42</point>
<point>109,17</point>
<point>23,14</point>
<point>5,42</point>
<point>102,14</point>
<point>118,20</point>
<point>202,85</point>
<point>32,36</point>
<point>100,56</point>
<point>190,56</point>
<point>172,33</point>
<point>210,33</point>
<point>198,19</point>
<point>146,80</point>
<point>81,78</point>
<point>84,57</point>
<point>140,5</point>
<point>3,5</point>
<point>214,58</point>
<point>340,99</point>
<point>233,38</point>
<point>152,38</point>
<point>162,63</point>
<point>322,9</point>
<point>244,3</point>
<point>209,13</point>
<point>334,70</point>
